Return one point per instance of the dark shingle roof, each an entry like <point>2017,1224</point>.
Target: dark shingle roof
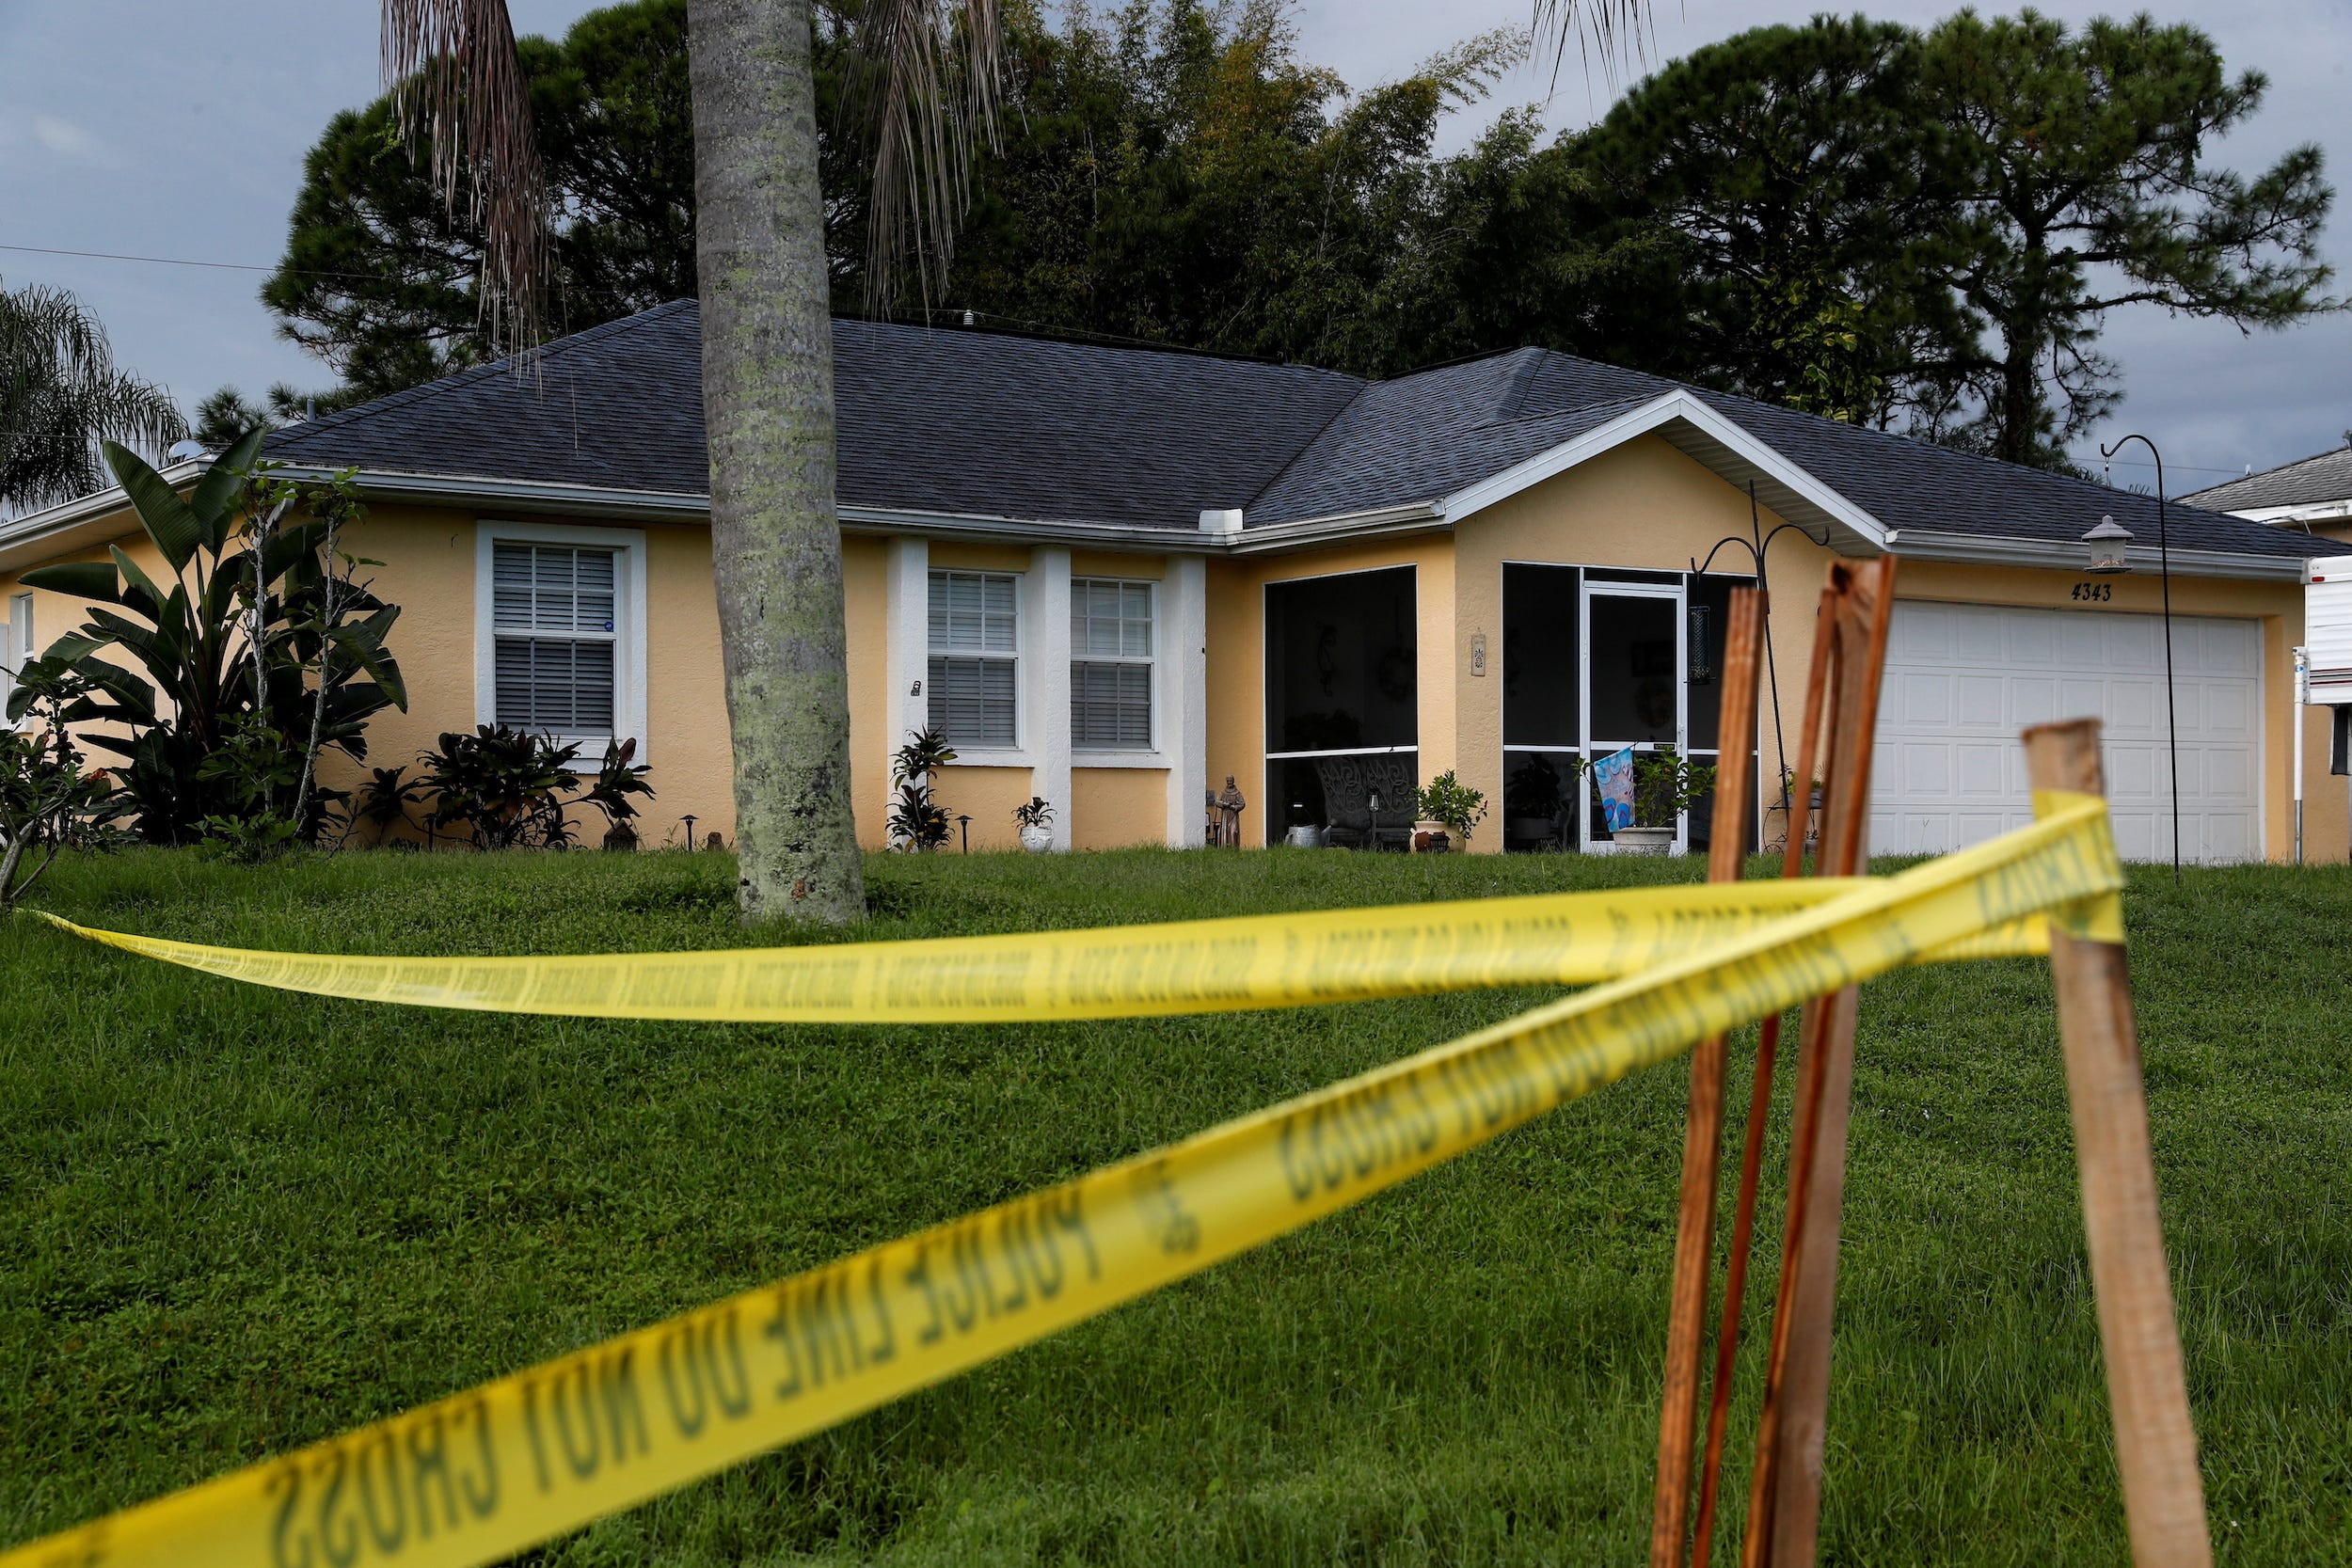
<point>986,424</point>
<point>617,406</point>
<point>2327,477</point>
<point>973,423</point>
<point>1423,437</point>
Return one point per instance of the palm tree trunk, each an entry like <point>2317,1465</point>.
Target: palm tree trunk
<point>766,345</point>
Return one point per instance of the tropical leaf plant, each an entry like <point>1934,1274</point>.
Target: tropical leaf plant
<point>49,796</point>
<point>509,786</point>
<point>619,776</point>
<point>252,616</point>
<point>384,800</point>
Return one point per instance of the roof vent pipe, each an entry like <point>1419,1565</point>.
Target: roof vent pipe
<point>1225,520</point>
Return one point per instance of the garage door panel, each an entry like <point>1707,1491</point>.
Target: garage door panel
<point>1927,769</point>
<point>2032,700</point>
<point>2229,836</point>
<point>1924,639</point>
<point>2136,836</point>
<point>1963,680</point>
<point>1972,641</point>
<point>2227,775</point>
<point>2082,694</point>
<point>1978,771</point>
<point>2134,643</point>
<point>2226,710</point>
<point>1979,703</point>
<point>2031,643</point>
<point>2131,708</point>
<point>2083,644</point>
<point>2131,772</point>
<point>1924,699</point>
<point>2219,652</point>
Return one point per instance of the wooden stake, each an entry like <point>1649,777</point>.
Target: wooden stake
<point>2155,1446</point>
<point>1760,1109</point>
<point>1702,1139</point>
<point>1785,1514</point>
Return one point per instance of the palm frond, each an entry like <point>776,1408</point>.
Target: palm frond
<point>451,68</point>
<point>1607,28</point>
<point>923,94</point>
<point>61,394</point>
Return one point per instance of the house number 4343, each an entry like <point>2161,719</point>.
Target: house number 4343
<point>2093,592</point>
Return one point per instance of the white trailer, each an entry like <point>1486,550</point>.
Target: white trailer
<point>2325,677</point>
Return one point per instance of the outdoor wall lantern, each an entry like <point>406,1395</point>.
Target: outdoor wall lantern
<point>2109,543</point>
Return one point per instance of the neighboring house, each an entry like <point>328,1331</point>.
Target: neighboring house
<point>1117,576</point>
<point>2312,497</point>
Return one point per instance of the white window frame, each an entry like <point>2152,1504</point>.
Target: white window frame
<point>629,623</point>
<point>16,644</point>
<point>1024,618</point>
<point>1147,754</point>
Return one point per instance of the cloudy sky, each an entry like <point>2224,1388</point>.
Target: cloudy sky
<point>157,128</point>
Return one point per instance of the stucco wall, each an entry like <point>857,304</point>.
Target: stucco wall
<point>1236,677</point>
<point>1115,808</point>
<point>1644,506</point>
<point>987,796</point>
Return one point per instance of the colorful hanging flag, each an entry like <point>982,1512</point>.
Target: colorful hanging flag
<point>1615,774</point>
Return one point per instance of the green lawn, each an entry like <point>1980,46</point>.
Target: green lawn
<point>233,1221</point>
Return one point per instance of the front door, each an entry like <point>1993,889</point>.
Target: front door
<point>1634,690</point>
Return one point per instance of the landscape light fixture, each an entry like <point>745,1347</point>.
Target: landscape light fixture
<point>2164,567</point>
<point>2109,543</point>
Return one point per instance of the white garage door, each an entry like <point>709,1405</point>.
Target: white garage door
<point>1963,680</point>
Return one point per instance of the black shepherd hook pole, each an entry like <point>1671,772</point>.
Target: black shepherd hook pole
<point>1756,545</point>
<point>2164,558</point>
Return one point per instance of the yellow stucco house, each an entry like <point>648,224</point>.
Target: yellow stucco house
<point>1117,577</point>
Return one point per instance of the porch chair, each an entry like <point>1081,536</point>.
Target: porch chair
<point>1348,786</point>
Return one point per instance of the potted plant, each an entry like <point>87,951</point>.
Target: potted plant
<point>1533,795</point>
<point>1785,806</point>
<point>1665,783</point>
<point>1447,810</point>
<point>1036,821</point>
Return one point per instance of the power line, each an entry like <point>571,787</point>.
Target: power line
<point>183,261</point>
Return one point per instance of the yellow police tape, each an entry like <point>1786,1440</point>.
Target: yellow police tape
<point>1192,966</point>
<point>490,1471</point>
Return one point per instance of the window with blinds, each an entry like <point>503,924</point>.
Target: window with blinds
<point>1110,665</point>
<point>552,612</point>
<point>975,641</point>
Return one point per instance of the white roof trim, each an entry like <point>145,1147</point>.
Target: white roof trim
<point>1708,438</point>
<point>2309,511</point>
<point>98,503</point>
<point>2059,555</point>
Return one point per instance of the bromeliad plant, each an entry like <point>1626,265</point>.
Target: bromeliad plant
<point>260,620</point>
<point>619,777</point>
<point>385,798</point>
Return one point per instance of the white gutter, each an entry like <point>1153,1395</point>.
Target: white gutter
<point>1412,517</point>
<point>2060,555</point>
<point>34,526</point>
<point>2312,512</point>
<point>580,500</point>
